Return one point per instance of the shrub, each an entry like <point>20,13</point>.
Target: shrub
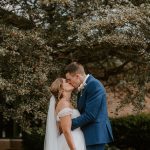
<point>132,131</point>
<point>33,141</point>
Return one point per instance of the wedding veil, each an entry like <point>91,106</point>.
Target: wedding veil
<point>51,135</point>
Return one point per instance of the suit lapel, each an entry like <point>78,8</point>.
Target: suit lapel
<point>80,97</point>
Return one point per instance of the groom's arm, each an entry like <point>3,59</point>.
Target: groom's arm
<point>95,95</point>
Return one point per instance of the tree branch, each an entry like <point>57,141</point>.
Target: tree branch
<point>17,21</point>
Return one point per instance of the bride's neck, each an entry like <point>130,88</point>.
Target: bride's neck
<point>67,95</point>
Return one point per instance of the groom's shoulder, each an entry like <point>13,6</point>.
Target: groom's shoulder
<point>92,79</point>
<point>93,82</point>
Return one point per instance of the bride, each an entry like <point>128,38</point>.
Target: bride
<point>60,114</point>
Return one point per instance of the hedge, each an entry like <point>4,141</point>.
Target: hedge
<point>131,132</point>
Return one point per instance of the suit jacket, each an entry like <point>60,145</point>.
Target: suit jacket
<point>93,120</point>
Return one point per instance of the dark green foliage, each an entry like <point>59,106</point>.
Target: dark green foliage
<point>33,141</point>
<point>132,131</point>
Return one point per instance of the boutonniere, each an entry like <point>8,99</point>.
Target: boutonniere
<point>81,87</point>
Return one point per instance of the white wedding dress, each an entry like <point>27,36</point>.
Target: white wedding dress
<point>53,139</point>
<point>77,133</point>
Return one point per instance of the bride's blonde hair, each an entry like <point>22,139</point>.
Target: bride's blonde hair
<point>56,87</point>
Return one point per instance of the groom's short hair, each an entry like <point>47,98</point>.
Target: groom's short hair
<point>75,67</point>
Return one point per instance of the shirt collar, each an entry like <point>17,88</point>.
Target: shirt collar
<point>86,79</point>
<point>83,84</point>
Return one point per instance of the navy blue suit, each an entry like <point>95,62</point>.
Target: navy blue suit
<point>94,120</point>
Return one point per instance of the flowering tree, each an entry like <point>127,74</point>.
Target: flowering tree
<point>26,71</point>
<point>38,38</point>
<point>111,37</point>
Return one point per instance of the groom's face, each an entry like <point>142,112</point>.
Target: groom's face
<point>73,79</point>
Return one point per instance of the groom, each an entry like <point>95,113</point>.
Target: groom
<point>91,103</point>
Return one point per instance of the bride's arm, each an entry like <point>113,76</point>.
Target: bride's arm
<point>65,124</point>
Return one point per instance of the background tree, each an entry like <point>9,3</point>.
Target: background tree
<point>38,38</point>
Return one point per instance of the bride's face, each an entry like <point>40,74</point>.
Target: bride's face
<point>66,86</point>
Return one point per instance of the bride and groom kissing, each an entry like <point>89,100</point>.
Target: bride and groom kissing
<point>85,128</point>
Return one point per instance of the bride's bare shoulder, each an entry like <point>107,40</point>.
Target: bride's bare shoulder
<point>62,104</point>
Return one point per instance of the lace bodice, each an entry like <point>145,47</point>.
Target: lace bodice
<point>68,111</point>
